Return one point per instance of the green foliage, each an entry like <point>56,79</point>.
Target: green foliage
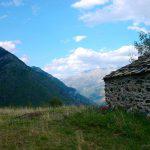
<point>125,124</point>
<point>143,46</point>
<point>55,102</point>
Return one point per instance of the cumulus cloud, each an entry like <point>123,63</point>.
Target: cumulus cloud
<point>10,45</point>
<point>119,10</point>
<point>137,28</point>
<point>79,38</point>
<point>25,58</point>
<point>87,4</point>
<point>82,59</point>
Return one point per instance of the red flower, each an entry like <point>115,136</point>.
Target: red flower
<point>104,108</point>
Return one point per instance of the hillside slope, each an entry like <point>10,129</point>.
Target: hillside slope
<point>22,85</point>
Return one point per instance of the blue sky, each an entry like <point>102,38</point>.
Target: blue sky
<point>62,35</point>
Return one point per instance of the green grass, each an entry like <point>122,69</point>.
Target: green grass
<point>72,128</point>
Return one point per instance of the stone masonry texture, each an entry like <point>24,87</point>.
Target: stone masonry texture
<point>130,92</point>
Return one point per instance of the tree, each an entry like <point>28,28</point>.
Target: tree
<point>143,45</point>
<point>55,102</point>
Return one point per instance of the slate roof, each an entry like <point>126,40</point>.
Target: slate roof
<point>142,65</point>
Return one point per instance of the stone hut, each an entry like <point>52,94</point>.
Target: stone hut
<point>129,87</point>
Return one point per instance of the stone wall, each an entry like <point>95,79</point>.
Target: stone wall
<point>131,92</point>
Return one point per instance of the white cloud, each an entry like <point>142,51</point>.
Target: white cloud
<point>35,9</point>
<point>25,58</point>
<point>138,28</point>
<point>82,59</point>
<point>3,17</point>
<point>7,3</point>
<point>86,4</point>
<point>79,38</point>
<point>10,45</point>
<point>119,10</point>
<point>17,2</point>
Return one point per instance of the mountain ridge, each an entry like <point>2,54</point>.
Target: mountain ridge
<point>21,85</point>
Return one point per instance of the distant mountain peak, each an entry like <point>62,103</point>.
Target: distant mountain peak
<point>89,83</point>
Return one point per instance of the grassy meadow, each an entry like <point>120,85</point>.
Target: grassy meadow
<point>72,128</point>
